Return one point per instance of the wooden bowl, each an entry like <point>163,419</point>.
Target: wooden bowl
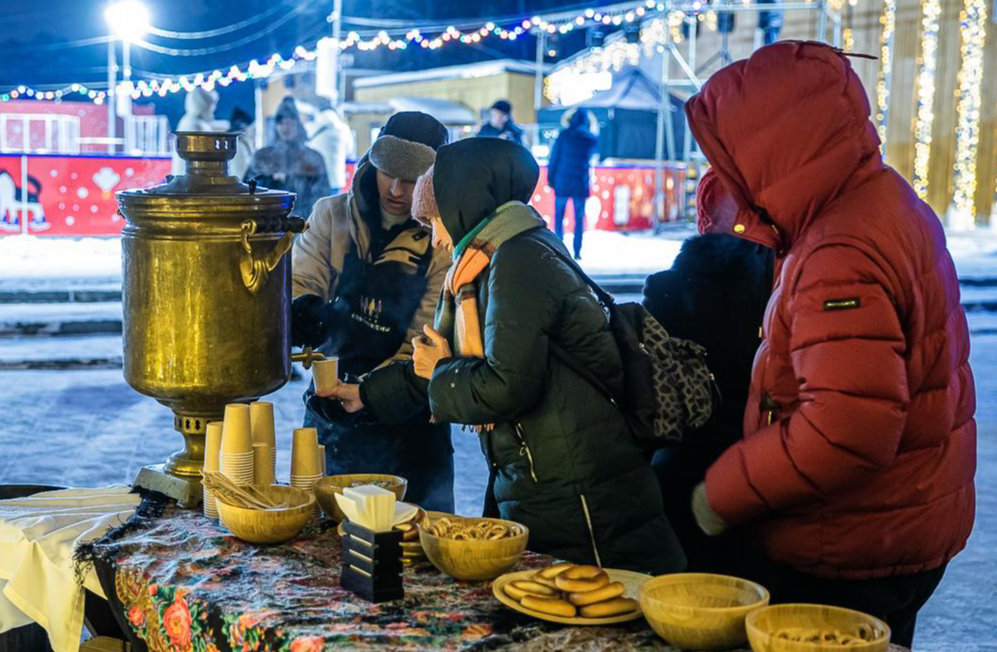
<point>271,525</point>
<point>327,488</point>
<point>701,611</point>
<point>765,627</point>
<point>474,559</point>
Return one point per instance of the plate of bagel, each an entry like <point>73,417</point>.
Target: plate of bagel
<point>573,595</point>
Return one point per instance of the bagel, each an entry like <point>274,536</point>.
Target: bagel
<point>540,579</point>
<point>550,606</point>
<point>608,592</point>
<point>520,589</point>
<point>581,579</point>
<point>553,571</point>
<point>614,607</point>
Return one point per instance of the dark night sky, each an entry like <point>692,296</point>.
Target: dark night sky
<point>34,34</point>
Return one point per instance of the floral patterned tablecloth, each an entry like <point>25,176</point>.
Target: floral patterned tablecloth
<point>181,583</point>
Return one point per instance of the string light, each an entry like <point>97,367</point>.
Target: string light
<point>889,22</point>
<point>973,29</point>
<point>925,117</point>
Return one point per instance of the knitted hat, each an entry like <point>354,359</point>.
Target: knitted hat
<point>716,209</point>
<point>504,106</point>
<point>424,207</point>
<point>407,144</point>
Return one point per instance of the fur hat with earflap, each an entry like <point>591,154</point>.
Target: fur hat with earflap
<point>407,144</point>
<point>424,207</point>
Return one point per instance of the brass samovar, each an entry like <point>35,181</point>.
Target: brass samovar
<point>207,297</point>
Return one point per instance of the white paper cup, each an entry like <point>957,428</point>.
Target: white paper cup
<point>262,467</point>
<point>237,434</point>
<point>325,374</point>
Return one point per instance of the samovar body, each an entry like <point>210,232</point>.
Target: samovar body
<point>206,291</point>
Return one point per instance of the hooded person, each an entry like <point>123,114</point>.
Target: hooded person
<point>855,474</point>
<point>242,123</point>
<point>562,459</point>
<point>288,164</point>
<point>366,279</point>
<point>715,295</point>
<point>333,138</point>
<point>198,115</point>
<point>568,173</point>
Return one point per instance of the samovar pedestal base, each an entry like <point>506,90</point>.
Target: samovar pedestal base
<point>188,492</point>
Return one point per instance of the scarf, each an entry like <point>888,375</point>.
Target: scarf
<point>459,320</point>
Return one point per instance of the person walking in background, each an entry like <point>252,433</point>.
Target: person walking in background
<point>242,122</point>
<point>199,115</point>
<point>855,477</point>
<point>568,173</point>
<point>366,280</point>
<point>333,139</point>
<point>714,295</point>
<point>500,124</point>
<point>287,164</point>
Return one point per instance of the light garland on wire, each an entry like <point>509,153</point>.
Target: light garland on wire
<point>889,22</point>
<point>255,70</point>
<point>925,117</point>
<point>973,28</point>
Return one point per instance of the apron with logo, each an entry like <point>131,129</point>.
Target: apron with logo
<point>374,305</point>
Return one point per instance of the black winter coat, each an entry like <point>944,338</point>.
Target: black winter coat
<point>568,169</point>
<point>715,295</point>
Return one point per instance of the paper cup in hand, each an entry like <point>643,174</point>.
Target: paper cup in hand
<point>326,374</point>
<point>237,434</point>
<point>304,453</point>
<point>213,446</point>
<point>262,468</point>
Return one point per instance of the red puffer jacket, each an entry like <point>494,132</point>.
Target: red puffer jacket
<point>860,444</point>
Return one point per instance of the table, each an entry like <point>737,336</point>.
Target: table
<point>180,583</point>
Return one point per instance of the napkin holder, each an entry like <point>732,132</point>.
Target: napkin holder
<point>372,563</point>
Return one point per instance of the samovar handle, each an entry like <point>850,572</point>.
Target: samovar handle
<point>254,270</point>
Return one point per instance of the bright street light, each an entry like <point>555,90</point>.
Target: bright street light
<point>128,19</point>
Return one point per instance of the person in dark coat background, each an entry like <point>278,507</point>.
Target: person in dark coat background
<point>568,173</point>
<point>287,164</point>
<point>715,295</point>
<point>500,124</point>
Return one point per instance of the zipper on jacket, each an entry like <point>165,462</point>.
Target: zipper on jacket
<point>588,522</point>
<point>524,451</point>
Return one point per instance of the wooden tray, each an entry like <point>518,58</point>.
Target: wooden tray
<point>630,579</point>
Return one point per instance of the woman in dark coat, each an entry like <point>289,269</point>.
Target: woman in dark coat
<point>562,459</point>
<point>568,173</point>
<point>715,295</point>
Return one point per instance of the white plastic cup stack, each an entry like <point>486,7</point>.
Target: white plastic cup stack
<point>306,467</point>
<point>237,445</point>
<point>262,424</point>
<point>212,450</point>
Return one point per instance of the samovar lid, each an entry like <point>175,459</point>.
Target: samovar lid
<point>206,154</point>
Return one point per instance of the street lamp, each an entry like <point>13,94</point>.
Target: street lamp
<point>129,21</point>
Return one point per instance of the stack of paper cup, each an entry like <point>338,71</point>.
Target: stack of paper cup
<point>321,456</point>
<point>212,450</point>
<point>237,445</point>
<point>262,423</point>
<point>262,465</point>
<point>306,467</point>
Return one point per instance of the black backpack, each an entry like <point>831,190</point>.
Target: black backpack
<point>668,388</point>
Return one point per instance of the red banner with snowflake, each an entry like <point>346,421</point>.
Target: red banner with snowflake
<point>70,195</point>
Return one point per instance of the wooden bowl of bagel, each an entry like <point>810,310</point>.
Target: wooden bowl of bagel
<point>475,559</point>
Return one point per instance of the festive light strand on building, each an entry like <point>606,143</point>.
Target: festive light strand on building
<point>973,29</point>
<point>889,22</point>
<point>925,117</point>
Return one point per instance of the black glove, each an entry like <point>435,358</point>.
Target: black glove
<point>309,321</point>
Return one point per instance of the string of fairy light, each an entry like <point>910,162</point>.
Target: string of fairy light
<point>888,20</point>
<point>973,30</point>
<point>390,39</point>
<point>924,118</point>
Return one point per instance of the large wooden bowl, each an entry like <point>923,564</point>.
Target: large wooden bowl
<point>701,611</point>
<point>327,488</point>
<point>474,559</point>
<point>271,525</point>
<point>766,627</point>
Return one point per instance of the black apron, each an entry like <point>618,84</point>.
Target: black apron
<point>374,305</point>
